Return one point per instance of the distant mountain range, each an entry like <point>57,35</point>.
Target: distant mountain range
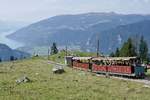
<point>115,37</point>
<point>84,29</point>
<point>6,53</point>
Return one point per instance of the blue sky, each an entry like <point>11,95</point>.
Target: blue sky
<point>34,10</point>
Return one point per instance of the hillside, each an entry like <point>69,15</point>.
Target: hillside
<point>72,85</point>
<point>6,53</point>
<point>72,30</point>
<point>113,38</point>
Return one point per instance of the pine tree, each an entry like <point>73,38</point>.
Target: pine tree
<point>123,50</point>
<point>54,49</point>
<point>117,53</point>
<point>132,49</point>
<point>112,54</point>
<point>143,50</point>
<point>128,49</point>
<point>12,58</point>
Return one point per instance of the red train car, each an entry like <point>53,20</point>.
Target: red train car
<point>120,69</point>
<point>83,63</point>
<point>113,65</point>
<point>101,68</point>
<point>124,66</point>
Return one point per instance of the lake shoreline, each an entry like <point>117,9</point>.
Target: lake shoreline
<point>11,43</point>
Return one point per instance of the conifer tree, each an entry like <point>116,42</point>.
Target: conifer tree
<point>54,49</point>
<point>128,49</point>
<point>112,54</point>
<point>143,50</point>
<point>117,53</point>
<point>12,58</point>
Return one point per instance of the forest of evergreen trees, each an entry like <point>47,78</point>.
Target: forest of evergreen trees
<point>130,49</point>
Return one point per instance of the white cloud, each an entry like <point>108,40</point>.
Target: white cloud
<point>146,1</point>
<point>32,10</point>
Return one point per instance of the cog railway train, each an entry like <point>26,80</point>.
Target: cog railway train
<point>119,66</point>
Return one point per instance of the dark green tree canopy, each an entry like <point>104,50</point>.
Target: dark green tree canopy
<point>117,53</point>
<point>54,49</point>
<point>112,54</point>
<point>12,58</point>
<point>128,49</point>
<point>143,50</point>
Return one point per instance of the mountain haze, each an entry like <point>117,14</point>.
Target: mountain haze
<point>6,53</point>
<point>82,30</point>
<point>113,38</point>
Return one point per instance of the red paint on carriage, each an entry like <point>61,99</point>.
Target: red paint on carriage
<point>120,69</point>
<point>99,68</point>
<point>114,65</point>
<point>84,66</point>
<point>112,69</point>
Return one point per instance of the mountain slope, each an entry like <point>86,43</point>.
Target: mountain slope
<point>6,53</point>
<point>113,38</point>
<point>71,29</point>
<point>75,30</point>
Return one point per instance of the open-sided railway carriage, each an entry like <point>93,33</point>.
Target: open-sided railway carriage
<point>122,66</point>
<point>83,63</point>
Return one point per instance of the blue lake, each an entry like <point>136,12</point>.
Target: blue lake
<point>11,43</point>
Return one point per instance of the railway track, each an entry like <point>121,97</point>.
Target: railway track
<point>145,81</point>
<point>55,63</point>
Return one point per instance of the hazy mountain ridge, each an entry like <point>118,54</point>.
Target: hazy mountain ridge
<point>113,38</point>
<point>6,53</point>
<point>76,30</point>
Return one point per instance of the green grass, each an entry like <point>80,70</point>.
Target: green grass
<point>72,85</point>
<point>59,58</point>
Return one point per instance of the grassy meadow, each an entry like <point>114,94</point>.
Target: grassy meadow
<point>71,85</point>
<point>59,58</point>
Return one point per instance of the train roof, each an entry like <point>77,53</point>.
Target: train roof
<point>114,58</point>
<point>68,56</point>
<point>82,58</point>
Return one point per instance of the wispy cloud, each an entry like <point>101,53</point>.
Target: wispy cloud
<point>32,10</point>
